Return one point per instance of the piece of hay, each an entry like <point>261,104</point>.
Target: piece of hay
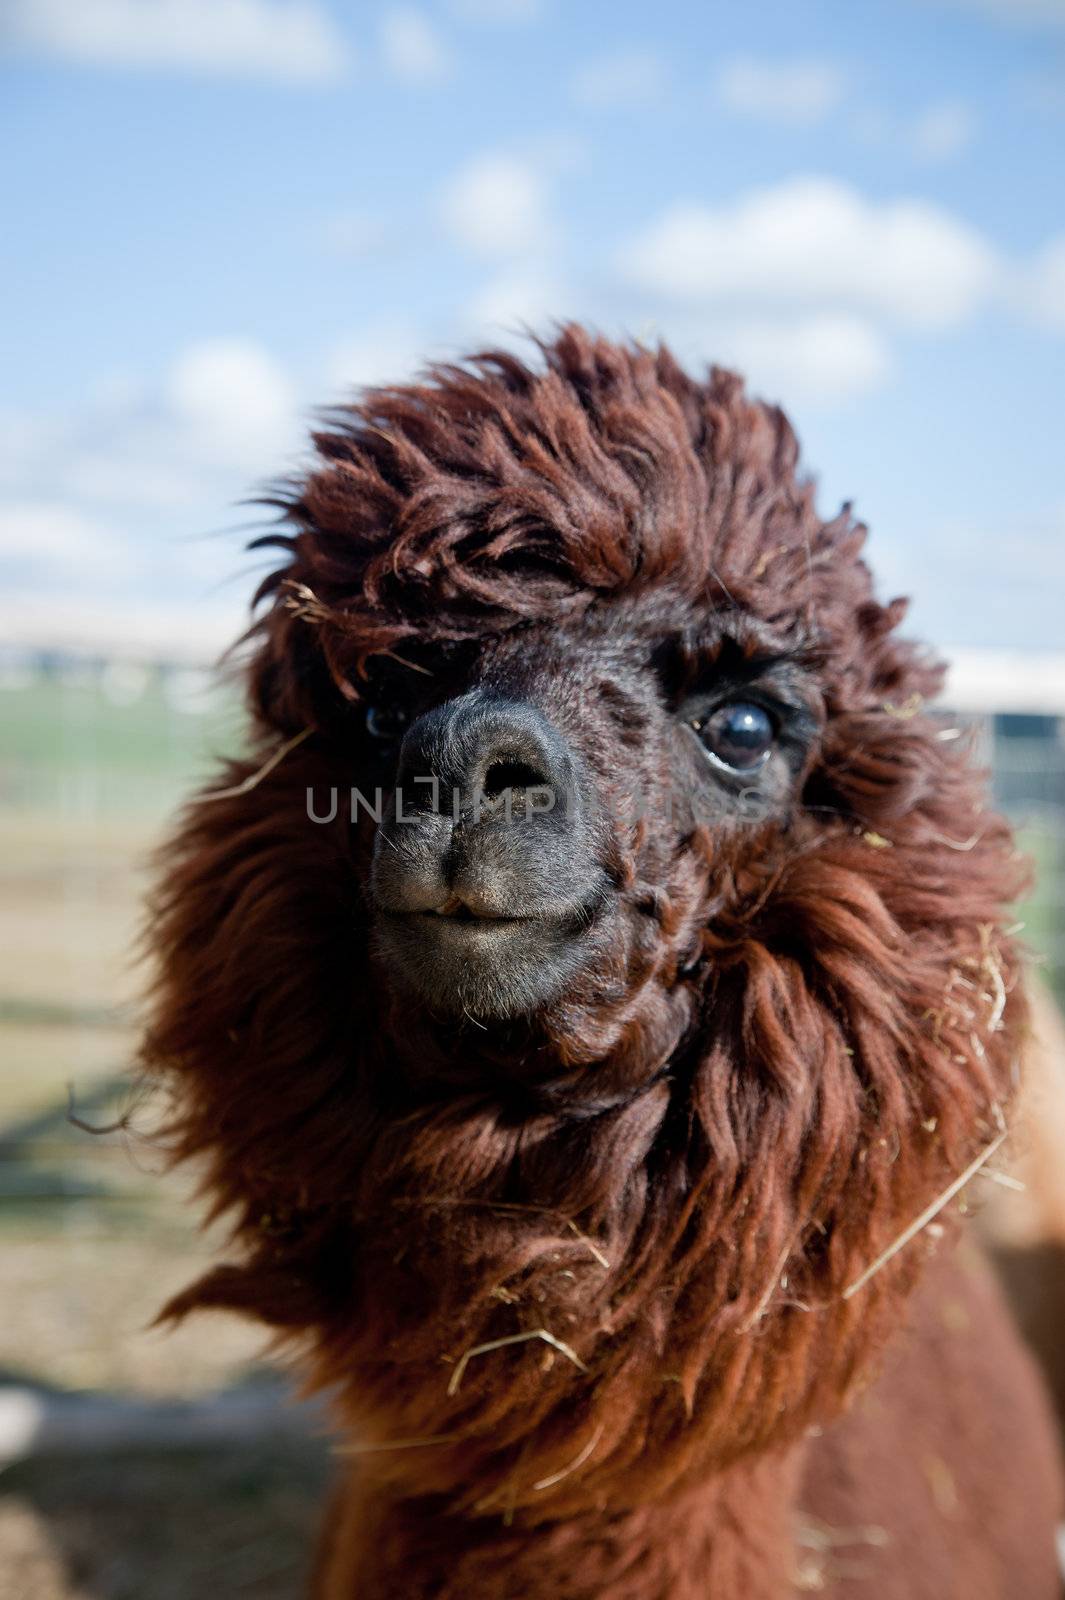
<point>574,1466</point>
<point>927,1215</point>
<point>589,1244</point>
<point>767,1293</point>
<point>255,778</point>
<point>373,1447</point>
<point>511,1338</point>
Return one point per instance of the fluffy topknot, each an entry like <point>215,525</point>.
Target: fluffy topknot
<point>496,493</point>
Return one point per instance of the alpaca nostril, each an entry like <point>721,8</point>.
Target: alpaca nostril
<point>507,774</point>
<point>470,754</point>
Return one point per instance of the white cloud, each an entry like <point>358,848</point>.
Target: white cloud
<point>938,133</point>
<point>391,352</point>
<point>626,80</point>
<point>796,91</point>
<point>497,205</point>
<point>515,300</point>
<point>818,243</point>
<point>45,537</point>
<point>1041,289</point>
<point>942,131</point>
<point>219,420</point>
<point>412,48</point>
<point>294,41</point>
<point>234,399</point>
<point>120,497</point>
<point>824,357</point>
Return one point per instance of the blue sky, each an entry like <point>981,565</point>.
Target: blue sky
<point>219,213</point>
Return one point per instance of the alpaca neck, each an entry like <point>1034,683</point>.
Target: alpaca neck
<point>730,1539</point>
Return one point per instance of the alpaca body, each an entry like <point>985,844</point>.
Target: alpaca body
<point>952,1453</point>
<point>581,1092</point>
<point>949,1453</point>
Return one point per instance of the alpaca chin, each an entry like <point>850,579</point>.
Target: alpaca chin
<point>492,969</point>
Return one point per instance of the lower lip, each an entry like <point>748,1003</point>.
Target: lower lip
<point>468,927</point>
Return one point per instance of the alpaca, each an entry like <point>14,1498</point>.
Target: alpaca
<point>587,999</point>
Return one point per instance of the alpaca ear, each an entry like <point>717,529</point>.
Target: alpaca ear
<point>287,682</point>
<point>306,667</point>
<point>275,1293</point>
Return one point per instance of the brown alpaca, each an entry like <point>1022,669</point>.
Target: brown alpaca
<point>583,1112</point>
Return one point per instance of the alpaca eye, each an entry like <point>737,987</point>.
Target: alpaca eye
<point>387,724</point>
<point>738,736</point>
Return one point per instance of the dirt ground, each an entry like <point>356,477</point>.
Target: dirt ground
<point>93,1235</point>
<point>233,1523</point>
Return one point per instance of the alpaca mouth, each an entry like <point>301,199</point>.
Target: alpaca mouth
<point>459,911</point>
<point>487,966</point>
<point>467,924</point>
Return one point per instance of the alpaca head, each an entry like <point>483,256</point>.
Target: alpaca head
<point>616,965</point>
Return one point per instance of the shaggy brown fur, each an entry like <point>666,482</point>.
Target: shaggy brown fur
<point>580,1276</point>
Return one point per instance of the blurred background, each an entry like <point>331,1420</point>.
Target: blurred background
<point>222,213</point>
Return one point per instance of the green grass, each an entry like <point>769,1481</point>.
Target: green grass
<point>92,1235</point>
<point>1043,913</point>
<point>69,745</point>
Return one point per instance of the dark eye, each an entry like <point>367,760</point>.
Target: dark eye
<point>387,724</point>
<point>738,736</point>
